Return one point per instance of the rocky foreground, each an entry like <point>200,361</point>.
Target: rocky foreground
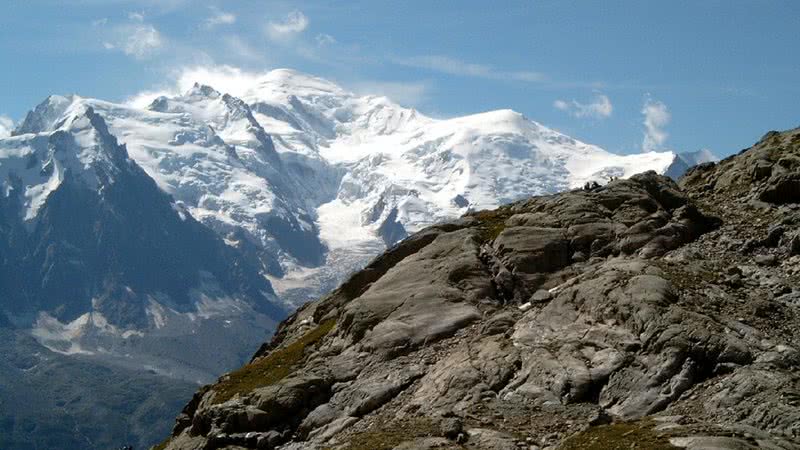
<point>640,314</point>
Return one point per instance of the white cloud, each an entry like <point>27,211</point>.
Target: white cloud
<point>452,66</point>
<point>656,117</point>
<point>295,22</point>
<point>140,40</point>
<point>599,108</point>
<point>226,79</point>
<point>223,78</point>
<point>6,126</point>
<point>237,82</point>
<point>324,39</point>
<point>561,104</point>
<point>145,98</point>
<point>219,17</point>
<point>405,93</point>
<point>135,37</point>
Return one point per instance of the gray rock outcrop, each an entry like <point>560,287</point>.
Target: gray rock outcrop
<point>637,313</point>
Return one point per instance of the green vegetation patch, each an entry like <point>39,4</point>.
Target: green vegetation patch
<point>162,445</point>
<point>388,436</point>
<point>619,436</point>
<point>493,222</point>
<point>270,369</point>
<point>689,277</point>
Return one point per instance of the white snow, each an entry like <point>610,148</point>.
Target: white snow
<point>346,162</point>
<point>33,166</point>
<point>72,337</point>
<point>341,225</point>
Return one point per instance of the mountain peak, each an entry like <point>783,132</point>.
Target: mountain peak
<point>300,79</point>
<point>502,118</point>
<point>202,90</point>
<point>279,84</point>
<point>46,114</point>
<point>77,146</point>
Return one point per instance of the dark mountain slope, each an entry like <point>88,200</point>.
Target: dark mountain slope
<point>114,300</point>
<point>52,401</point>
<point>114,245</point>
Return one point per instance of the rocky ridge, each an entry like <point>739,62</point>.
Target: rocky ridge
<point>640,314</point>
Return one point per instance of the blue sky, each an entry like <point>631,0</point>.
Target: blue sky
<point>625,75</point>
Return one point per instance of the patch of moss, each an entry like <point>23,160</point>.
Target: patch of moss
<point>618,436</point>
<point>492,222</point>
<point>162,445</point>
<point>271,368</point>
<point>687,277</point>
<point>389,436</point>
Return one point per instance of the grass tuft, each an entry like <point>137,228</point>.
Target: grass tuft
<point>162,445</point>
<point>618,436</point>
<point>492,222</point>
<point>270,369</point>
<point>388,437</point>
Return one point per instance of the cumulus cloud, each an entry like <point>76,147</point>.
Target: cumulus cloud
<point>453,66</point>
<point>219,17</point>
<point>6,126</point>
<point>136,16</point>
<point>295,22</point>
<point>599,108</point>
<point>656,118</point>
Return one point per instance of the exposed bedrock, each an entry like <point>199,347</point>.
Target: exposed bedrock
<point>635,313</point>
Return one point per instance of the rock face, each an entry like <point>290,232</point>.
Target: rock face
<point>641,313</point>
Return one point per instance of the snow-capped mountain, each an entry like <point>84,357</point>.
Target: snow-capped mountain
<point>403,170</point>
<point>97,260</point>
<point>310,181</point>
<point>302,179</point>
<point>111,292</point>
<point>172,237</point>
<point>206,151</point>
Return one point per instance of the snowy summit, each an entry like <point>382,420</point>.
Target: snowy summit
<point>314,180</point>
